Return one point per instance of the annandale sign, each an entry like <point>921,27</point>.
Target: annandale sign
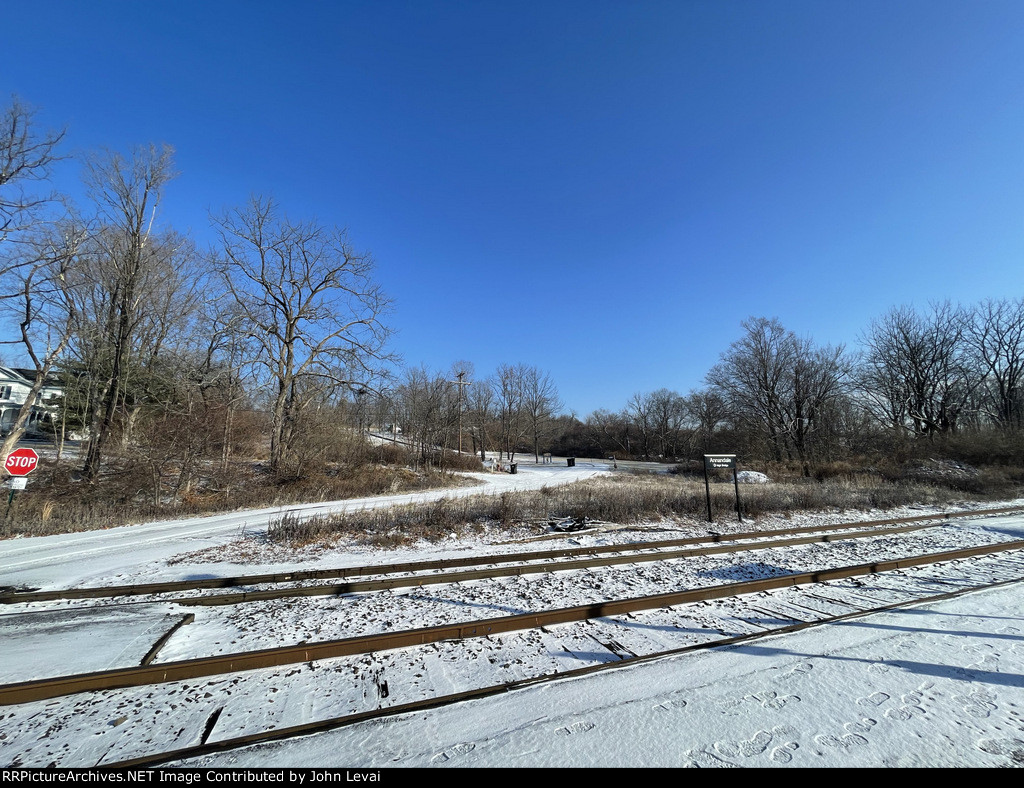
<point>714,462</point>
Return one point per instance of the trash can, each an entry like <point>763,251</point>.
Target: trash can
<point>512,467</point>
<point>571,462</point>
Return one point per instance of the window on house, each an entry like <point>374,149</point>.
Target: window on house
<point>5,392</point>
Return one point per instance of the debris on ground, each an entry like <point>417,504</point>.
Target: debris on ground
<point>572,524</point>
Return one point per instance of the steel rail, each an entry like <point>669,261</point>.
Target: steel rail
<point>162,640</point>
<point>363,586</point>
<point>335,723</point>
<point>43,689</point>
<point>14,597</point>
<point>646,553</point>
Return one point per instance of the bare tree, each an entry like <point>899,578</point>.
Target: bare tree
<point>222,380</point>
<point>668,414</point>
<point>657,418</point>
<point>132,265</point>
<point>779,385</point>
<point>480,412</point>
<point>612,429</point>
<point>916,373</point>
<point>540,405</point>
<point>32,289</point>
<point>45,309</point>
<point>25,155</point>
<point>310,306</point>
<point>995,334</point>
<point>422,400</point>
<point>705,409</point>
<point>638,410</point>
<point>509,385</point>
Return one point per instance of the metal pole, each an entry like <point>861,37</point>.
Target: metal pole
<point>707,490</point>
<point>736,484</point>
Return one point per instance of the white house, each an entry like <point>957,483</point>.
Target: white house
<point>15,385</point>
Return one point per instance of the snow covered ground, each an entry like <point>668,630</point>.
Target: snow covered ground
<point>940,684</point>
<point>100,557</point>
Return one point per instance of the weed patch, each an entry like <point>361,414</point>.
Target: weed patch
<point>627,499</point>
<point>55,503</point>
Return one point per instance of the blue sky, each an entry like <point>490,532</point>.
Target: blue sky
<point>602,189</point>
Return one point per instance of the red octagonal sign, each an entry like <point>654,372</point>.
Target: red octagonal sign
<point>21,462</point>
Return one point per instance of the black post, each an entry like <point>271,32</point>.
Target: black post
<point>707,491</point>
<point>736,484</point>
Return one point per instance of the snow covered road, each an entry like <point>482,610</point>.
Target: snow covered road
<point>99,557</point>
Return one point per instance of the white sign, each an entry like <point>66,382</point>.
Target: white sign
<point>18,482</point>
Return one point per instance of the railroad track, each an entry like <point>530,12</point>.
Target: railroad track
<point>700,618</point>
<point>529,562</point>
<point>183,755</point>
<point>229,700</point>
<point>526,564</point>
<point>44,689</point>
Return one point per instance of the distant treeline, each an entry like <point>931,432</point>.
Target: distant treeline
<point>948,379</point>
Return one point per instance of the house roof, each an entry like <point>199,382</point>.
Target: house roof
<point>27,376</point>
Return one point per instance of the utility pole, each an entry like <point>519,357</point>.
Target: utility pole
<point>461,384</point>
<point>360,393</point>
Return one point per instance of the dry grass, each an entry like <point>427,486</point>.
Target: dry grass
<point>54,503</point>
<point>620,499</point>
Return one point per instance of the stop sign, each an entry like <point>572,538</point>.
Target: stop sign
<point>21,462</point>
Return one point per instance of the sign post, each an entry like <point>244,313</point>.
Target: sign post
<point>716,462</point>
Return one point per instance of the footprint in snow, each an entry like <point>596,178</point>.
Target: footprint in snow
<point>772,700</point>
<point>988,662</point>
<point>700,758</point>
<point>843,742</point>
<point>901,714</point>
<point>576,727</point>
<point>978,704</point>
<point>874,699</point>
<point>730,707</point>
<point>753,746</point>
<point>453,752</point>
<point>756,745</point>
<point>1011,748</point>
<point>863,726</point>
<point>798,670</point>
<point>784,754</point>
